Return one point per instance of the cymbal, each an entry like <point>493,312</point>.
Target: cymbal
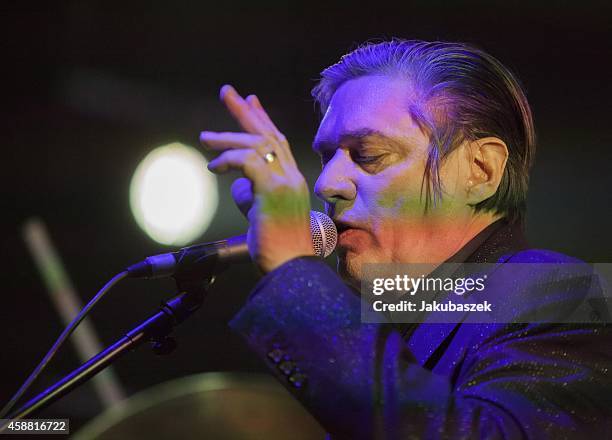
<point>219,406</point>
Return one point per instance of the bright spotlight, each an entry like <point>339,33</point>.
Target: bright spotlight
<point>173,196</point>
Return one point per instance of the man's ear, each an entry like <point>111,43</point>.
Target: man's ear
<point>488,157</point>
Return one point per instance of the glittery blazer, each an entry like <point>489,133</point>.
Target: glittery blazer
<point>393,381</point>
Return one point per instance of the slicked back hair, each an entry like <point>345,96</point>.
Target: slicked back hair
<point>462,93</point>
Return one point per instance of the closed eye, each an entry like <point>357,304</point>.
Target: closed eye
<point>365,159</point>
<point>357,157</point>
<point>370,163</point>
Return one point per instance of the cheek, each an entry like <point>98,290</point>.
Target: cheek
<point>394,208</point>
<point>401,196</point>
<point>398,194</point>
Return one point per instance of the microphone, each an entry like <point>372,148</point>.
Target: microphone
<point>211,258</point>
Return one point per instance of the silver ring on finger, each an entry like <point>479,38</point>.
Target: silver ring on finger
<point>269,157</point>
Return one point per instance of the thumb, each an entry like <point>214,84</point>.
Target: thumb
<point>242,193</point>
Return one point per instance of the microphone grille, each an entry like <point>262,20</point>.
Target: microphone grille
<point>324,234</point>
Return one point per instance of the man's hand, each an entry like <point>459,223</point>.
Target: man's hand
<point>273,194</point>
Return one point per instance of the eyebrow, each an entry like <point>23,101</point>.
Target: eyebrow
<point>360,135</point>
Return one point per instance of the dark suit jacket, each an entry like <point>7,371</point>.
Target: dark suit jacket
<point>461,380</point>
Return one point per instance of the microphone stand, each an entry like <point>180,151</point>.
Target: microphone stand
<point>155,329</point>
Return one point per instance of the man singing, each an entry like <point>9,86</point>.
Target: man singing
<point>425,151</point>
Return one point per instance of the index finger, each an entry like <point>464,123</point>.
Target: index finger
<point>242,111</point>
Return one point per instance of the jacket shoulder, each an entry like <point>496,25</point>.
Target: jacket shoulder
<point>542,256</point>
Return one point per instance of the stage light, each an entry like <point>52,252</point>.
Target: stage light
<point>173,196</point>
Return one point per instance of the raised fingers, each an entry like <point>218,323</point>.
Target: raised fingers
<point>244,113</point>
<point>248,161</point>
<point>227,140</point>
<point>240,141</point>
<point>283,149</point>
<point>255,103</point>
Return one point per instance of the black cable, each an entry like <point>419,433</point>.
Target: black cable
<point>60,341</point>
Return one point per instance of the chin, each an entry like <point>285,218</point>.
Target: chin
<point>349,268</point>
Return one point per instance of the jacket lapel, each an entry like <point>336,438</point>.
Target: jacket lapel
<point>429,340</point>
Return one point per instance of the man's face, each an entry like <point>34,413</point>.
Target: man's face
<point>373,156</point>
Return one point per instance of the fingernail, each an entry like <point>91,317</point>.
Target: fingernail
<point>204,137</point>
<point>225,90</point>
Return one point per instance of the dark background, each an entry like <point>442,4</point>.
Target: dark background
<point>89,88</point>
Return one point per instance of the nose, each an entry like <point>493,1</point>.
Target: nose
<point>335,181</point>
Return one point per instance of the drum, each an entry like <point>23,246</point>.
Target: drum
<point>218,406</point>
